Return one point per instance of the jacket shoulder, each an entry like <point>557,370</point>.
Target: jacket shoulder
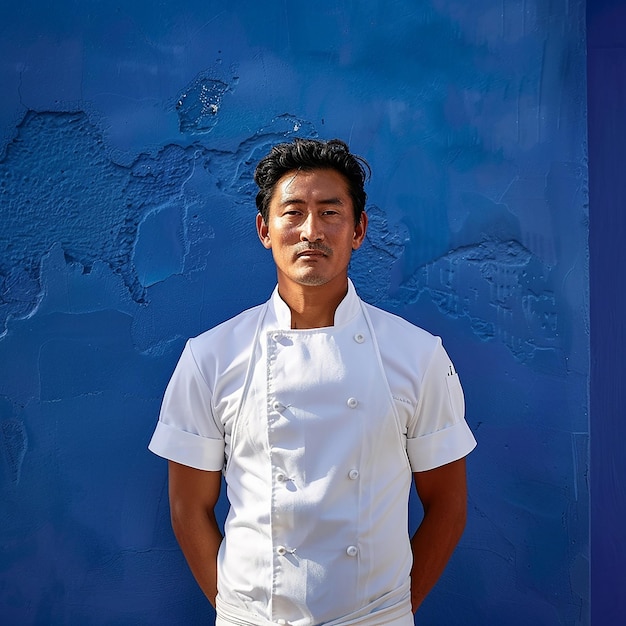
<point>242,320</point>
<point>214,349</point>
<point>399,331</point>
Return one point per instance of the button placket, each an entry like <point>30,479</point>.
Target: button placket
<point>356,345</point>
<point>353,474</point>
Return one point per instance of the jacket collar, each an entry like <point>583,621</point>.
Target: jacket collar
<point>280,314</point>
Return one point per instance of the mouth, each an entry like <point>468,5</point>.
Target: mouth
<point>310,253</point>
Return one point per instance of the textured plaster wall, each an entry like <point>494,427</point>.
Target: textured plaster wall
<point>128,136</point>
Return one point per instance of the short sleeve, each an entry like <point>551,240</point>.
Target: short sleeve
<point>438,433</point>
<point>187,431</point>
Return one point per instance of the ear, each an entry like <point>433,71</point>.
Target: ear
<point>359,232</point>
<point>263,231</point>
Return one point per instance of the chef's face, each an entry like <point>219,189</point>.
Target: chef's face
<point>311,229</point>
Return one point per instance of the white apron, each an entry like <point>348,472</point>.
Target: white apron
<point>318,481</point>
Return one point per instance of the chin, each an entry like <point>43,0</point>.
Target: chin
<point>312,281</point>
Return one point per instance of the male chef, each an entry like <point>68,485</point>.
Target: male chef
<point>319,410</point>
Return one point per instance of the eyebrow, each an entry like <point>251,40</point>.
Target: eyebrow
<point>333,201</point>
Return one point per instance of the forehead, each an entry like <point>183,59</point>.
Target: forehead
<point>316,184</point>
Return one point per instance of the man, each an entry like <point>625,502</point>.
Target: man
<point>318,409</point>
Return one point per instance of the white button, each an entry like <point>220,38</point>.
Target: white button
<point>352,402</point>
<point>276,336</point>
<point>359,338</point>
<point>353,474</point>
<point>280,477</point>
<point>352,551</point>
<point>278,406</point>
<point>281,550</point>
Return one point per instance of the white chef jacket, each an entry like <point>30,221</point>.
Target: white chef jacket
<point>317,431</point>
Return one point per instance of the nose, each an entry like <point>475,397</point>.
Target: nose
<point>311,229</point>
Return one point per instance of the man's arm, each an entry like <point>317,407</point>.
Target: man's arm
<point>193,494</point>
<point>443,493</point>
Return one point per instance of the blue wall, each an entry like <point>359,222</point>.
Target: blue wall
<point>128,135</point>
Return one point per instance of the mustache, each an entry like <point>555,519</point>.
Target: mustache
<point>303,246</point>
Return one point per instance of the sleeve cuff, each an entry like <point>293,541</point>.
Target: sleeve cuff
<point>187,449</point>
<point>440,447</point>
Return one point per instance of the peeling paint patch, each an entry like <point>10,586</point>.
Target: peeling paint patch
<point>60,186</point>
<point>160,246</point>
<point>200,103</point>
<point>489,284</point>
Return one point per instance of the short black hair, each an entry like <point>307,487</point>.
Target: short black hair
<point>307,155</point>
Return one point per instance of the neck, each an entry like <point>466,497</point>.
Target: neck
<point>313,306</point>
